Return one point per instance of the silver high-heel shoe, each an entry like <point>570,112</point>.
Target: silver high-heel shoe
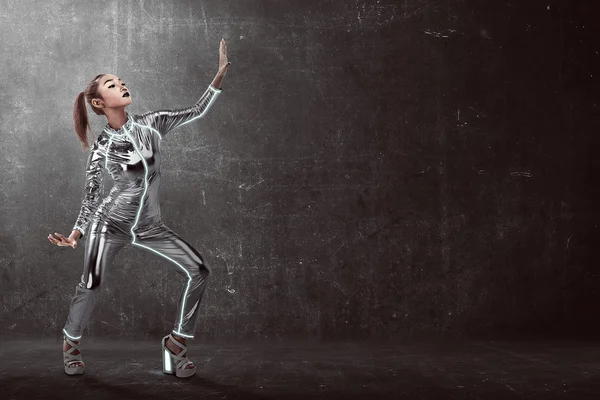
<point>70,359</point>
<point>175,364</point>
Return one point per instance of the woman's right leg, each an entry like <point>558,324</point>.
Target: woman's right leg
<point>102,245</point>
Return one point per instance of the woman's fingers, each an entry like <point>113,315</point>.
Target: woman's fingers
<point>61,241</point>
<point>223,62</point>
<point>63,238</point>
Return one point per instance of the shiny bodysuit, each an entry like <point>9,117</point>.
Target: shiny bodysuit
<point>130,213</point>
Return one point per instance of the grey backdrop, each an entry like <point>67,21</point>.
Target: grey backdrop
<point>371,167</point>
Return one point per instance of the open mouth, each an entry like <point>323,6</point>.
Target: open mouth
<point>126,94</point>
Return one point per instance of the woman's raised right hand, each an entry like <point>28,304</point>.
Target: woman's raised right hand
<point>62,241</point>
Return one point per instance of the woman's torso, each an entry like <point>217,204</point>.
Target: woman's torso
<point>132,158</point>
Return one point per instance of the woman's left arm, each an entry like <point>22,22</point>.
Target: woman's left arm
<point>166,120</point>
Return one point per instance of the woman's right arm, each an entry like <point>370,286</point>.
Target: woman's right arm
<point>92,188</point>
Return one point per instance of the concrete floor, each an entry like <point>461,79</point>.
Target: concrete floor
<point>31,368</point>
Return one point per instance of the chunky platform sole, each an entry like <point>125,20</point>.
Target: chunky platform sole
<point>175,364</point>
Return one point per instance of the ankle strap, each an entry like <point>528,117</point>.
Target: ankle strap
<point>72,343</point>
<point>181,346</point>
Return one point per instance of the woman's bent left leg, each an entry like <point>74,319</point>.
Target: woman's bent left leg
<point>186,261</point>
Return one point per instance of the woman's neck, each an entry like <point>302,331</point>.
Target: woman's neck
<point>116,117</point>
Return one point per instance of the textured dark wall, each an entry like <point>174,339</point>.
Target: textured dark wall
<point>371,167</point>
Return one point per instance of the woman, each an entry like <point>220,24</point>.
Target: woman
<point>129,149</point>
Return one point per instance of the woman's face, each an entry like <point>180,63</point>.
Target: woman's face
<point>113,91</point>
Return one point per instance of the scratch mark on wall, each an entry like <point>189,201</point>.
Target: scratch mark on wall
<point>248,187</point>
<point>436,34</point>
<point>526,174</point>
<point>205,24</point>
<point>230,269</point>
<point>115,15</point>
<point>478,112</point>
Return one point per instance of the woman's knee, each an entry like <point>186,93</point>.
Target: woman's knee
<point>202,270</point>
<point>91,281</point>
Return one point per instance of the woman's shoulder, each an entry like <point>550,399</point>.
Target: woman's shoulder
<point>141,116</point>
<point>144,119</point>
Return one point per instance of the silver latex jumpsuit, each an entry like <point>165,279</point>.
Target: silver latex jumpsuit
<point>130,213</point>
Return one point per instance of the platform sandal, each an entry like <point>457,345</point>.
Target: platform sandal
<point>70,359</point>
<point>175,364</point>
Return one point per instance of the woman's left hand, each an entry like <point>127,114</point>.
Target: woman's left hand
<point>223,63</point>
